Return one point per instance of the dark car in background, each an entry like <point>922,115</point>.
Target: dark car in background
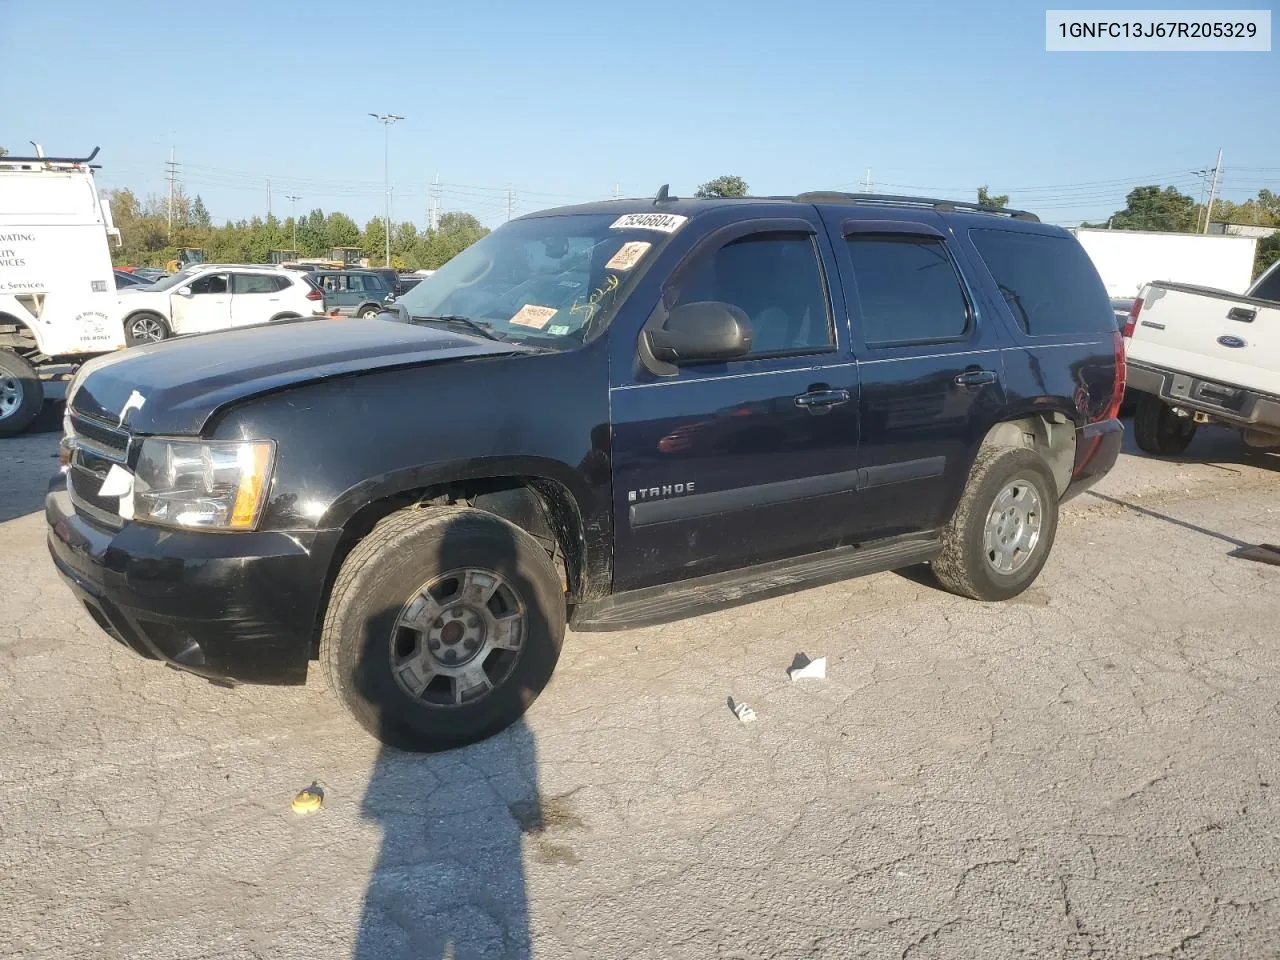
<point>354,293</point>
<point>126,279</point>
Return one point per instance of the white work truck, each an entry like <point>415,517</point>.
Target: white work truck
<point>1199,355</point>
<point>58,300</point>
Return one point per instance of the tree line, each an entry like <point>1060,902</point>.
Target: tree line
<point>148,239</point>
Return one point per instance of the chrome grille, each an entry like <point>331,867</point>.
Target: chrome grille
<point>94,448</point>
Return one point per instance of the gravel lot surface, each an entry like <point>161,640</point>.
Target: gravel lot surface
<point>1088,771</point>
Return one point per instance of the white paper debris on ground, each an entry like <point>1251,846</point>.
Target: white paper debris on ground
<point>743,712</point>
<point>806,669</point>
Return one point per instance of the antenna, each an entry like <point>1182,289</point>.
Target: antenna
<point>664,195</point>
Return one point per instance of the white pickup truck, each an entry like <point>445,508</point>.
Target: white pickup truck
<point>1198,355</point>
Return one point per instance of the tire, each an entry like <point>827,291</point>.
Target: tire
<point>403,572</point>
<point>285,316</point>
<point>368,313</point>
<point>1255,441</point>
<point>21,394</point>
<point>967,565</point>
<point>143,328</point>
<point>1159,431</point>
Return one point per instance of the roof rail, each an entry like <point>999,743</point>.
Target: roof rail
<point>942,206</point>
<point>63,160</point>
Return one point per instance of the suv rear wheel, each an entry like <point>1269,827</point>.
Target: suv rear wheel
<point>1158,430</point>
<point>1000,535</point>
<point>444,625</point>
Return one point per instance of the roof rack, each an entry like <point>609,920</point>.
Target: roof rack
<point>51,161</point>
<point>942,206</point>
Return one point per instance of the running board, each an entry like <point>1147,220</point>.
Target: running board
<point>673,601</point>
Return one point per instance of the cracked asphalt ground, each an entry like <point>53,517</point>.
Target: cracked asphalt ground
<point>1089,771</point>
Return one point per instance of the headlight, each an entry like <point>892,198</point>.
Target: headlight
<point>214,485</point>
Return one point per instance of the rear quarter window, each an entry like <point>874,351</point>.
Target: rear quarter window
<point>1048,282</point>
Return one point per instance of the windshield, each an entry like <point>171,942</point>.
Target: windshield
<point>179,278</point>
<point>554,280</point>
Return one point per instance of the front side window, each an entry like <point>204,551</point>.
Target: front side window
<point>213,283</point>
<point>1269,288</point>
<point>775,279</point>
<point>908,290</point>
<point>553,280</point>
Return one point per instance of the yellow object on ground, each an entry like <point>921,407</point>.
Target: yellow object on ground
<point>309,800</point>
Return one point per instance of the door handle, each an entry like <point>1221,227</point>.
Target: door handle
<point>822,398</point>
<point>976,378</point>
<point>1241,314</point>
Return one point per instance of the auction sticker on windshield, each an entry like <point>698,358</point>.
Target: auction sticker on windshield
<point>532,315</point>
<point>664,222</point>
<point>628,255</point>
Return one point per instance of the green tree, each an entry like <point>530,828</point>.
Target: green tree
<point>374,242</point>
<point>341,231</point>
<point>1153,208</point>
<point>987,200</point>
<point>726,186</point>
<point>313,235</point>
<point>3,152</point>
<point>200,214</point>
<point>403,239</point>
<point>1267,254</point>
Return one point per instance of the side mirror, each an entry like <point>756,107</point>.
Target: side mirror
<point>701,332</point>
<point>184,291</point>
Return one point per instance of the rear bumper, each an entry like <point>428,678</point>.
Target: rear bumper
<point>1238,406</point>
<point>1097,448</point>
<point>225,606</point>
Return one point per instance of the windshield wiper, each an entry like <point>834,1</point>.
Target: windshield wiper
<point>481,328</point>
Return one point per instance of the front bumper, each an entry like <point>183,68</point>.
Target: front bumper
<point>240,607</point>
<point>1097,449</point>
<point>1237,406</point>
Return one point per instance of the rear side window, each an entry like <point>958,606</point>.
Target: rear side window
<point>283,282</point>
<point>253,283</point>
<point>1049,283</point>
<point>908,291</point>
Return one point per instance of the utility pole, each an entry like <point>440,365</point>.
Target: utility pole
<point>268,198</point>
<point>510,201</point>
<point>387,119</point>
<point>617,191</point>
<point>434,221</point>
<point>1213,189</point>
<point>171,173</point>
<point>866,182</point>
<point>293,200</point>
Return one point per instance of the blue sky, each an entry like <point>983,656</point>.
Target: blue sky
<point>564,101</point>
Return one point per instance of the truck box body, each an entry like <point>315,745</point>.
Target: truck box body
<point>1127,259</point>
<point>56,279</point>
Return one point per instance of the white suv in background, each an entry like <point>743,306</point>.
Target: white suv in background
<point>216,296</point>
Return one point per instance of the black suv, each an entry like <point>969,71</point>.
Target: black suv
<point>600,416</point>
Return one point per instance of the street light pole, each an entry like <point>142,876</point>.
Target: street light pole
<point>386,119</point>
<point>293,199</point>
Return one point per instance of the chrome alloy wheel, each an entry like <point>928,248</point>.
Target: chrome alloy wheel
<point>458,637</point>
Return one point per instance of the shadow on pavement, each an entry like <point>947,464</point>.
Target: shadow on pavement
<point>449,881</point>
<point>1211,447</point>
<point>1157,515</point>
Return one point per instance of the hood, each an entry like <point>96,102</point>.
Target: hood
<point>176,386</point>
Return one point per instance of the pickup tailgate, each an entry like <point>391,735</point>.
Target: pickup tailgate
<point>1209,334</point>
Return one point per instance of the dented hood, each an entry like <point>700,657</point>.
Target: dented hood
<point>175,387</point>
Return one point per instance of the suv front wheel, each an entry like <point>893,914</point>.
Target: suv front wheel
<point>1001,533</point>
<point>444,625</point>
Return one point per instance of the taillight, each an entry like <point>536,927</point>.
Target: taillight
<point>1133,317</point>
<point>314,294</point>
<point>1117,388</point>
